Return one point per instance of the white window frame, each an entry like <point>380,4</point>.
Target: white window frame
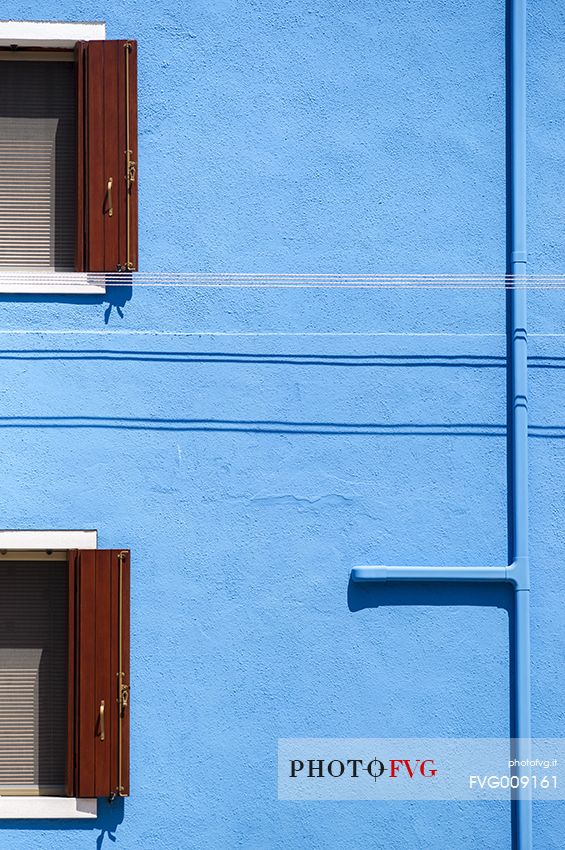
<point>69,808</point>
<point>62,34</point>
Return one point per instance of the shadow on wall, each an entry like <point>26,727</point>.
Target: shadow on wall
<point>363,595</point>
<point>117,300</point>
<point>110,816</point>
<point>277,426</point>
<point>116,297</point>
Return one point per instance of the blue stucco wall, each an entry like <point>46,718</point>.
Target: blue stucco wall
<point>251,446</point>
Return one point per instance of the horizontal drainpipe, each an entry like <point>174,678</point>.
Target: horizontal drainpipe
<point>518,572</point>
<point>515,574</point>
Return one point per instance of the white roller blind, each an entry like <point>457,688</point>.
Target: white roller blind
<point>37,164</point>
<point>33,676</point>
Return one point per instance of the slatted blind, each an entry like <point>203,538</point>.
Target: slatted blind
<point>33,676</point>
<point>37,164</point>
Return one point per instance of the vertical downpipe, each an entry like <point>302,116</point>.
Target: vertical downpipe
<point>518,344</point>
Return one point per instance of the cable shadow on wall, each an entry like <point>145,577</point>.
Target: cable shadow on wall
<point>277,426</point>
<point>458,361</point>
<point>258,426</point>
<point>259,359</point>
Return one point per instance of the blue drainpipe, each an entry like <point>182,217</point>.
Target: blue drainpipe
<point>518,425</point>
<point>518,572</point>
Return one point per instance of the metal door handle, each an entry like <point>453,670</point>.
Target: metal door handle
<point>109,197</point>
<point>101,715</point>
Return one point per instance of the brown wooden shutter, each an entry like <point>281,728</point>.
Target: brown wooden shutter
<point>98,752</point>
<point>107,156</point>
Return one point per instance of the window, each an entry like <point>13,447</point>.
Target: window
<point>68,154</point>
<point>38,156</point>
<point>33,676</point>
<point>64,673</point>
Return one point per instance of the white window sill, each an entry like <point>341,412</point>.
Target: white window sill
<point>49,33</point>
<point>52,283</point>
<point>69,808</point>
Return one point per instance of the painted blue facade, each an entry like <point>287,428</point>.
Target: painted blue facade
<point>252,445</point>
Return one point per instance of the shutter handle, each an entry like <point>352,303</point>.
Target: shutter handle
<point>102,726</point>
<point>109,197</point>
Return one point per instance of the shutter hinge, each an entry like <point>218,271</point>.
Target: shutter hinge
<point>131,166</point>
<point>123,689</point>
<point>123,694</point>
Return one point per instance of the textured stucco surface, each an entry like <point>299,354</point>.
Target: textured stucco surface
<point>251,462</point>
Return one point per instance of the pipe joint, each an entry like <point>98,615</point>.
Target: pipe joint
<point>519,257</point>
<point>518,573</point>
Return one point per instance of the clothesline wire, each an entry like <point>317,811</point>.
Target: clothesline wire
<point>209,333</point>
<point>288,280</point>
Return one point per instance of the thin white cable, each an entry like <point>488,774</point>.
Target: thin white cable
<point>288,280</point>
<point>180,334</point>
